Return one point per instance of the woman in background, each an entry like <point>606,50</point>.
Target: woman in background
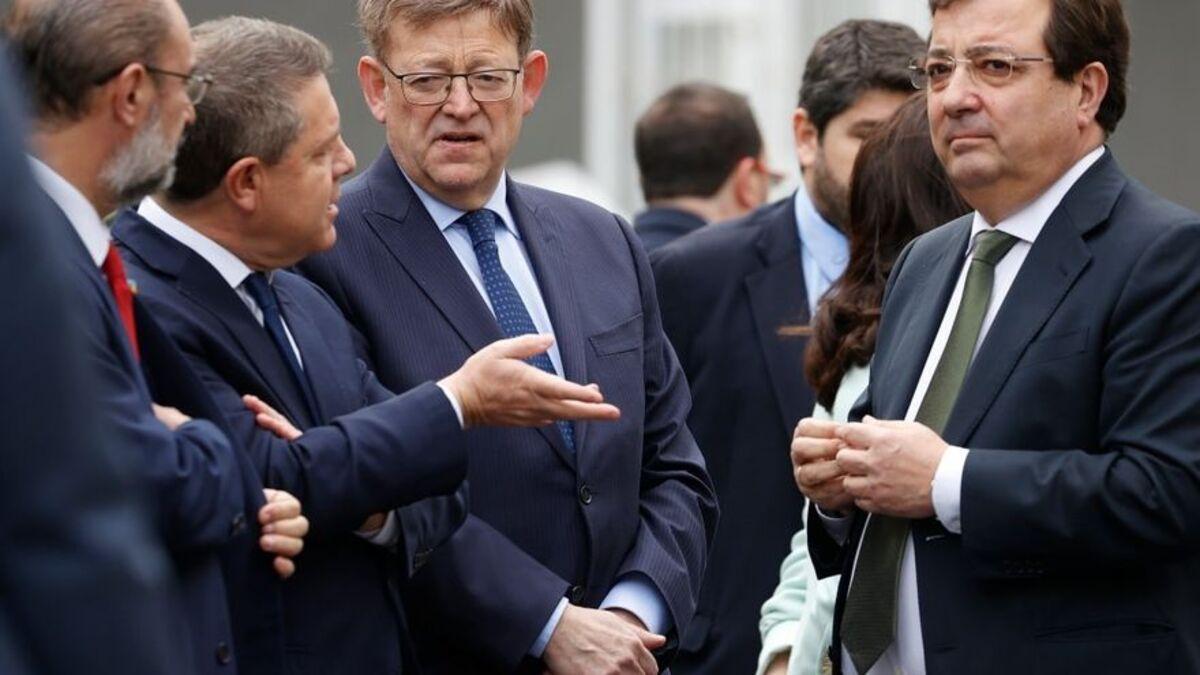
<point>898,190</point>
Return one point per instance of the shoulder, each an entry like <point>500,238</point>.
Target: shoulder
<point>728,245</point>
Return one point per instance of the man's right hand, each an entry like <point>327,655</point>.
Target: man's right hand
<point>814,463</point>
<point>495,387</point>
<point>598,642</point>
<point>171,417</point>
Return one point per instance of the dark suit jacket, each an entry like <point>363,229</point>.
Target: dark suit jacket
<point>368,452</point>
<point>85,581</point>
<point>726,291</point>
<point>1081,494</point>
<point>633,498</point>
<point>196,481</point>
<point>659,226</point>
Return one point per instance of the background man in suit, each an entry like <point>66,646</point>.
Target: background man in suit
<point>112,96</point>
<point>737,298</point>
<point>1038,508</point>
<point>255,191</point>
<point>700,156</point>
<point>85,579</point>
<point>440,254</point>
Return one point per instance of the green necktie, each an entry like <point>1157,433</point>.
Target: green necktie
<point>869,618</point>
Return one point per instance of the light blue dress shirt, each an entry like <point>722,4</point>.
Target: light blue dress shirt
<point>824,250</point>
<point>635,593</point>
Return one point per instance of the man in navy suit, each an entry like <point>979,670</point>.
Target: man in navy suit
<point>109,114</point>
<point>737,298</point>
<point>85,580</point>
<point>255,191</point>
<point>586,542</point>
<point>1038,508</point>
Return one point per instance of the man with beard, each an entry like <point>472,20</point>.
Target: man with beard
<point>736,300</point>
<point>113,91</point>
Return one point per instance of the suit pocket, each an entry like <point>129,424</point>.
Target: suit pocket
<point>1055,347</point>
<point>626,336</point>
<point>1117,647</point>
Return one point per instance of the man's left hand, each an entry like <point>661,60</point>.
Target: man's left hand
<point>890,466</point>
<point>283,530</point>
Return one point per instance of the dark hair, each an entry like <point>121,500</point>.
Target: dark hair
<point>1082,32</point>
<point>853,58</point>
<point>68,47</point>
<point>898,190</point>
<point>257,67</point>
<point>691,138</point>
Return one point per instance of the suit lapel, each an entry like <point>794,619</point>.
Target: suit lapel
<point>778,298</point>
<point>323,377</point>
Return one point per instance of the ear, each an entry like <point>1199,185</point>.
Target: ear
<point>536,70</point>
<point>808,140</point>
<point>130,95</point>
<point>1093,87</point>
<point>745,183</point>
<point>243,184</point>
<point>373,82</point>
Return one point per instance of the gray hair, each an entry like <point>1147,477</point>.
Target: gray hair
<point>249,111</point>
<point>375,18</point>
<point>68,47</point>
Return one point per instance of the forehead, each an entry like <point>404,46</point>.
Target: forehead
<point>463,39</point>
<point>967,23</point>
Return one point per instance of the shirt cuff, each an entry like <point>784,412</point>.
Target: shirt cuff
<point>635,593</point>
<point>947,488</point>
<point>387,535</point>
<point>539,645</point>
<point>838,527</point>
<point>453,404</point>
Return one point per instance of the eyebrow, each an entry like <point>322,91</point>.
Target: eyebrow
<point>973,50</point>
<point>865,127</point>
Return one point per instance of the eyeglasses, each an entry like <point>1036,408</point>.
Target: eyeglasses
<point>485,86</point>
<point>989,65</point>
<point>194,85</point>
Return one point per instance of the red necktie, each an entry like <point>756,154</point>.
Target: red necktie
<point>114,271</point>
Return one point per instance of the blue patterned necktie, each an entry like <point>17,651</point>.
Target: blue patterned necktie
<point>260,289</point>
<point>510,310</point>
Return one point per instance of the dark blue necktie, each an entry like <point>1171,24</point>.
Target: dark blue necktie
<point>510,310</point>
<point>260,289</point>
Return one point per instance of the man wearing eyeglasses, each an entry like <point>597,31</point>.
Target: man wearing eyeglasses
<point>587,541</point>
<point>1031,503</point>
<point>111,100</point>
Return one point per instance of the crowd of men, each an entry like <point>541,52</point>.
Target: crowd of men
<point>435,420</point>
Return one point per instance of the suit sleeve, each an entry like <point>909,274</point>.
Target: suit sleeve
<point>678,509</point>
<point>1136,496</point>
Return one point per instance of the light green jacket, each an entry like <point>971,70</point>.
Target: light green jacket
<point>799,616</point>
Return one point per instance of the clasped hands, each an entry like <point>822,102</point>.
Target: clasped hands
<point>884,467</point>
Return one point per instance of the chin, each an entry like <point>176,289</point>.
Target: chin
<point>968,173</point>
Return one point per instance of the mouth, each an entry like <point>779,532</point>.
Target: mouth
<point>459,138</point>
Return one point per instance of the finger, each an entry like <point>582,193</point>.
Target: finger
<point>271,494</point>
<point>282,509</point>
<point>650,640</point>
<point>814,428</point>
<point>856,486</point>
<point>816,473</point>
<point>645,659</point>
<point>292,527</point>
<point>521,347</point>
<point>281,545</point>
<point>545,385</point>
<point>861,435</point>
<point>284,567</point>
<point>854,462</point>
<point>886,424</point>
<point>805,450</point>
<point>575,410</point>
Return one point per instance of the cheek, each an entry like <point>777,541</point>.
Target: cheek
<point>841,159</point>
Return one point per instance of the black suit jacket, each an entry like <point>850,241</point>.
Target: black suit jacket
<point>1081,493</point>
<point>726,293</point>
<point>368,452</point>
<point>659,226</point>
<point>633,498</point>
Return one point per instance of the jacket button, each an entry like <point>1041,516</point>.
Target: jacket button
<point>585,495</point>
<point>575,594</point>
<point>238,525</point>
<point>224,654</point>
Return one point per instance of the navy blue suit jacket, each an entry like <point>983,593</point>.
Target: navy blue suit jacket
<point>368,452</point>
<point>727,291</point>
<point>84,579</point>
<point>633,498</point>
<point>659,226</point>
<point>193,473</point>
<point>1080,544</point>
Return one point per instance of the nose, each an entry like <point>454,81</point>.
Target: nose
<point>961,93</point>
<point>460,103</point>
<point>346,162</point>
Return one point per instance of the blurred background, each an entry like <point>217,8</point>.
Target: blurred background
<point>610,58</point>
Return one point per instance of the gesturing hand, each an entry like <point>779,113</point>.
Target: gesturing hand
<point>283,530</point>
<point>495,387</point>
<point>270,419</point>
<point>815,447</point>
<point>599,642</point>
<point>891,466</point>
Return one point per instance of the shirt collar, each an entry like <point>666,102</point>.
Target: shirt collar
<point>1027,223</point>
<point>229,266</point>
<point>444,215</point>
<point>79,211</point>
<point>826,244</point>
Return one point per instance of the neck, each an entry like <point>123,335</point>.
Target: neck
<point>214,218</point>
<point>76,153</point>
<point>704,208</point>
<point>1002,200</point>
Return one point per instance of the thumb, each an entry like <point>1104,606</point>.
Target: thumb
<point>522,347</point>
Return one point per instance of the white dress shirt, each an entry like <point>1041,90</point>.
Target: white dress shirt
<point>634,593</point>
<point>906,656</point>
<point>79,211</point>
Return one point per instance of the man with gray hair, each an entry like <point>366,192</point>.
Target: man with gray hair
<point>255,192</point>
<point>114,87</point>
